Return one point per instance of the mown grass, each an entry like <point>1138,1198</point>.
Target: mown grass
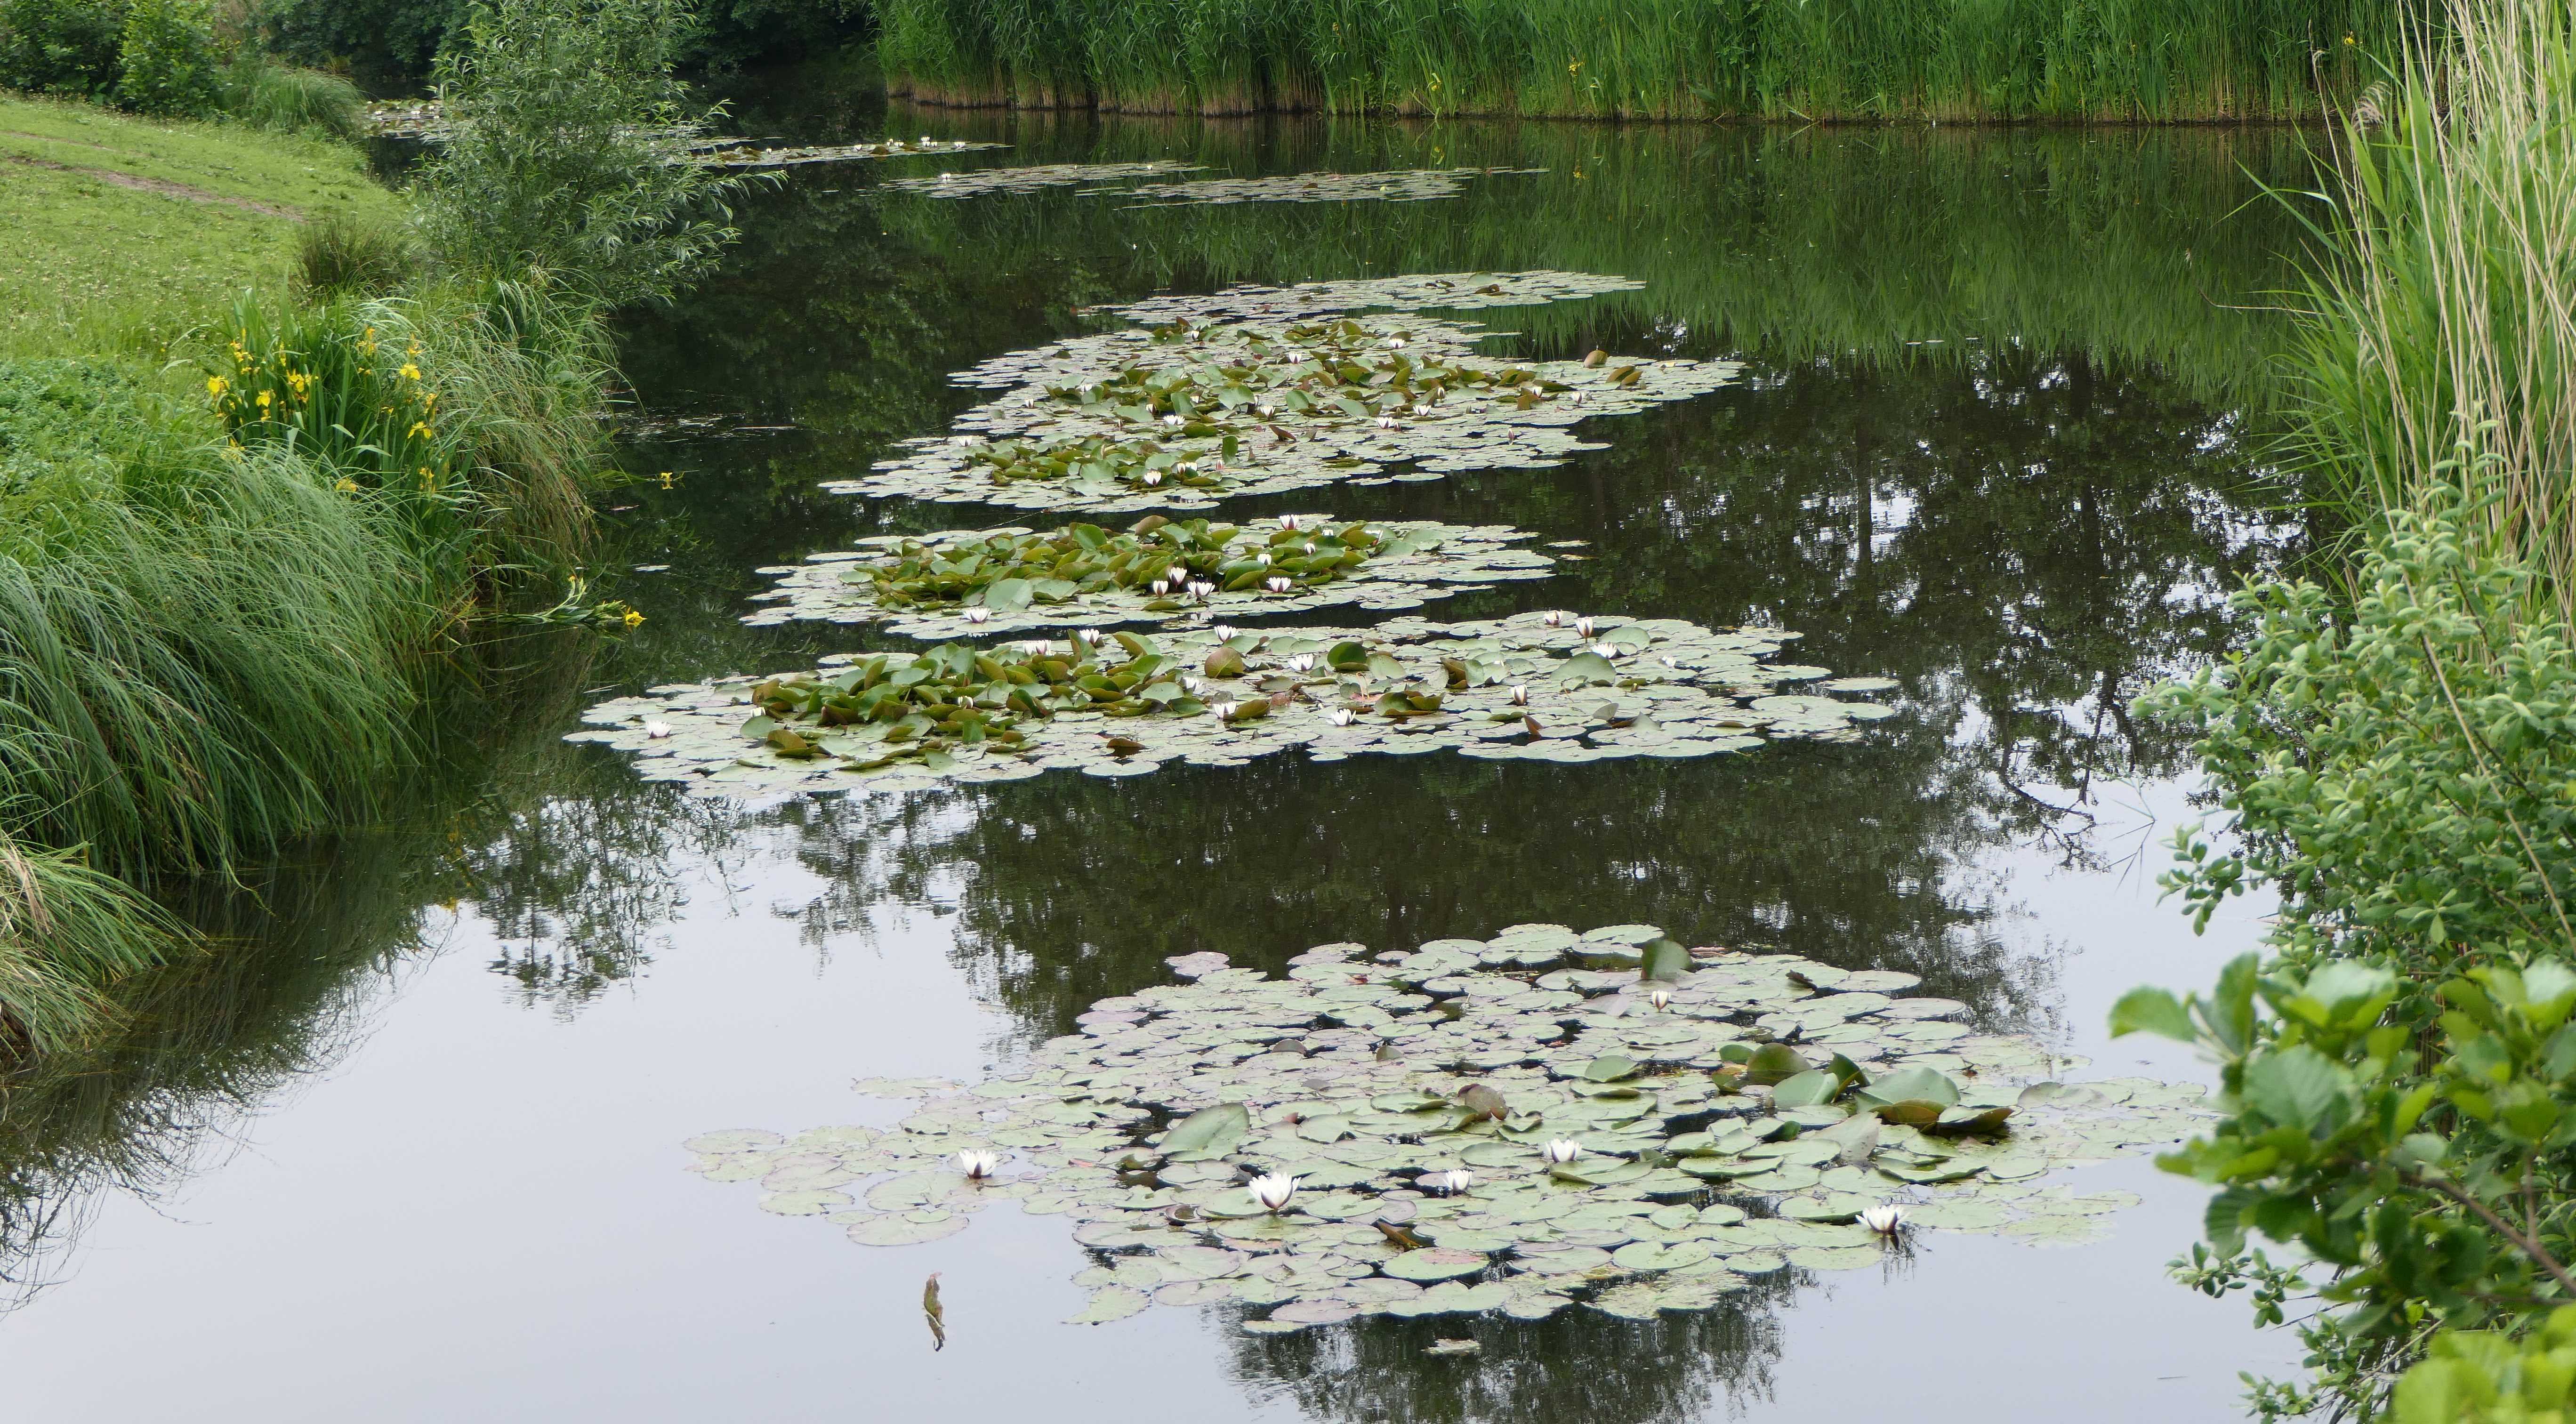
<point>2143,60</point>
<point>125,231</point>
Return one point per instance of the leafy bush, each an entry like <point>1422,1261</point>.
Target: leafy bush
<point>2489,1377</point>
<point>60,46</point>
<point>566,122</point>
<point>2403,1102</point>
<point>166,60</point>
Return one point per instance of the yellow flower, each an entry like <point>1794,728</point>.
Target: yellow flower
<point>633,618</point>
<point>666,479</point>
<point>410,372</point>
<point>1573,65</point>
<point>263,400</point>
<point>419,431</point>
<point>217,385</point>
<point>346,485</point>
<point>2348,39</point>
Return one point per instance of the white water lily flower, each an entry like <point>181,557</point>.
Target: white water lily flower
<point>1177,574</point>
<point>977,1163</point>
<point>1520,694</point>
<point>1386,422</point>
<point>1225,632</point>
<point>1660,998</point>
<point>1153,478</point>
<point>1036,647</point>
<point>1422,407</point>
<point>1280,583</point>
<point>1202,587</point>
<point>657,729</point>
<point>1172,420</point>
<point>1884,1218</point>
<point>925,138</point>
<point>1670,662</point>
<point>947,177</point>
<point>1395,343</point>
<point>1266,409</point>
<point>1553,619</point>
<point>1583,627</point>
<point>1561,1150</point>
<point>1310,546</point>
<point>1225,710</point>
<point>1161,587</point>
<point>959,143</point>
<point>1451,1182</point>
<point>978,614</point>
<point>1339,716</point>
<point>1303,662</point>
<point>1273,1191</point>
<point>1264,557</point>
<point>1607,650</point>
<point>1089,635</point>
<point>1193,685</point>
<point>1292,522</point>
<point>966,440</point>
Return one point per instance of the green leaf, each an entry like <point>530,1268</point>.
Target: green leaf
<point>2153,1011</point>
<point>2299,1087</point>
<point>1664,959</point>
<point>1209,1132</point>
<point>1008,595</point>
<point>1773,1063</point>
<point>1813,1088</point>
<point>1609,1068</point>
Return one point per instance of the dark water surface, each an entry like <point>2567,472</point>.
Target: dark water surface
<point>412,1153</point>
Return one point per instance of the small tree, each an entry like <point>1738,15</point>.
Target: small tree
<point>167,63</point>
<point>567,159</point>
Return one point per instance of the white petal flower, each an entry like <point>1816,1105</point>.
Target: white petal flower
<point>1225,632</point>
<point>1553,619</point>
<point>1520,694</point>
<point>1160,587</point>
<point>1193,685</point>
<point>1339,716</point>
<point>1172,420</point>
<point>977,1163</point>
<point>1264,557</point>
<point>1177,574</point>
<point>1884,1218</point>
<point>1576,398</point>
<point>1280,583</point>
<point>1273,1191</point>
<point>968,440</point>
<point>1202,587</point>
<point>657,729</point>
<point>1583,627</point>
<point>1660,998</point>
<point>1153,478</point>
<point>1451,1182</point>
<point>978,614</point>
<point>1036,647</point>
<point>1266,409</point>
<point>1225,710</point>
<point>1386,422</point>
<point>1291,522</point>
<point>1089,635</point>
<point>1561,1150</point>
<point>1303,662</point>
<point>1607,650</point>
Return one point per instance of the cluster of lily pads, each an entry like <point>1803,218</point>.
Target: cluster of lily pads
<point>1423,291</point>
<point>1513,1125</point>
<point>1197,408</point>
<point>1538,686</point>
<point>1158,570</point>
<point>739,154</point>
<point>1412,185</point>
<point>981,181</point>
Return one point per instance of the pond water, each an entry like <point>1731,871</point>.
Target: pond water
<point>413,1152</point>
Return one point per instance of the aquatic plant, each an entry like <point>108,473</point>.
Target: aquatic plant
<point>1221,396</point>
<point>1415,185</point>
<point>1376,1134</point>
<point>1158,570</point>
<point>1028,178</point>
<point>1123,704</point>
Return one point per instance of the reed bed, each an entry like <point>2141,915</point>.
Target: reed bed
<point>1952,60</point>
<point>2440,349</point>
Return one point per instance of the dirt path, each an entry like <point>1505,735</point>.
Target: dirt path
<point>162,186</point>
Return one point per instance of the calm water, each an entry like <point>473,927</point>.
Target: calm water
<point>411,1154</point>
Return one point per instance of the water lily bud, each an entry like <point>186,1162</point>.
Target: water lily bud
<point>977,1163</point>
<point>1225,710</point>
<point>1561,1150</point>
<point>1583,627</point>
<point>1520,694</point>
<point>1660,998</point>
<point>1153,478</point>
<point>1161,587</point>
<point>1553,619</point>
<point>1273,1192</point>
<point>1884,1218</point>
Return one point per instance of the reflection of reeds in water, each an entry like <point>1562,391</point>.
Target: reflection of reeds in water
<point>2124,246</point>
<point>2441,349</point>
<point>1642,59</point>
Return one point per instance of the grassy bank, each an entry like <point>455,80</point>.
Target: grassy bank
<point>1972,60</point>
<point>126,231</point>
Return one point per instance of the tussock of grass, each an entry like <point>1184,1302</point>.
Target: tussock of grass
<point>284,99</point>
<point>67,933</point>
<point>1668,59</point>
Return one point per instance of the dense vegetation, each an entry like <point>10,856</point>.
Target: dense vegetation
<point>2400,759</point>
<point>1830,59</point>
<point>225,596</point>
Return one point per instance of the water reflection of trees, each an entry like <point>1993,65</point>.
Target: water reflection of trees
<point>1576,1367</point>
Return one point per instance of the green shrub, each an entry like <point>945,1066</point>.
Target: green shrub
<point>565,119</point>
<point>284,99</point>
<point>60,46</point>
<point>167,62</point>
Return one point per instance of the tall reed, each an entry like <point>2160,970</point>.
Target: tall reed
<point>1668,59</point>
<point>2440,348</point>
